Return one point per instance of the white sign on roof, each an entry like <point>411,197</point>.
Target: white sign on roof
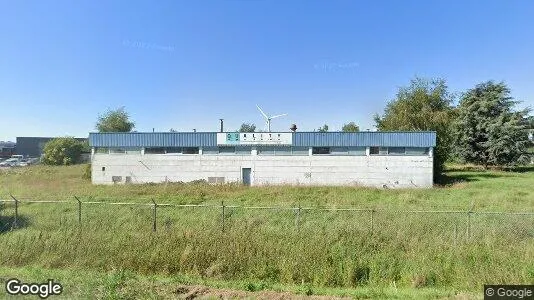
<point>255,138</point>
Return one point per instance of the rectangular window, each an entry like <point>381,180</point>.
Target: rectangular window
<point>102,150</point>
<point>300,151</point>
<point>156,150</point>
<point>215,179</point>
<point>190,150</point>
<point>396,151</point>
<point>357,150</point>
<point>266,150</point>
<point>173,150</point>
<point>226,150</point>
<point>116,179</point>
<point>374,150</point>
<point>339,150</point>
<point>320,150</point>
<point>282,151</point>
<point>210,150</point>
<point>378,150</point>
<point>133,151</point>
<point>244,150</point>
<point>117,151</point>
<point>417,151</point>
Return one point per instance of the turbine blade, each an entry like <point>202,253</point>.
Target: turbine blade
<point>278,116</point>
<point>262,112</point>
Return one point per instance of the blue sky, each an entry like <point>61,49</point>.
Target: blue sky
<point>185,64</point>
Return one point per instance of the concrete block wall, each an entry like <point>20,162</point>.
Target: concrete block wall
<point>377,171</point>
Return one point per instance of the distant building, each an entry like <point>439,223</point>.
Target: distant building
<point>33,146</point>
<point>380,159</point>
<point>7,149</point>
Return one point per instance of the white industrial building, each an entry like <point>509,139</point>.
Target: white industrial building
<point>379,159</point>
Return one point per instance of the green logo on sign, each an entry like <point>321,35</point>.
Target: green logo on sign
<point>232,137</point>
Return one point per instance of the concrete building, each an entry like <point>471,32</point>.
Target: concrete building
<point>7,149</point>
<point>380,159</point>
<point>33,146</point>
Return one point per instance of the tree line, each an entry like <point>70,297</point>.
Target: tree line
<point>481,125</point>
<point>483,128</point>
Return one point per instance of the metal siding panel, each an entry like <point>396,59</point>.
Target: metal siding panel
<point>153,139</point>
<point>385,139</point>
<point>303,139</point>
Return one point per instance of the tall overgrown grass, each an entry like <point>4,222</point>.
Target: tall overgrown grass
<point>324,249</point>
<point>319,248</point>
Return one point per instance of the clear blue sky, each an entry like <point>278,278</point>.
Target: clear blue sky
<point>185,64</point>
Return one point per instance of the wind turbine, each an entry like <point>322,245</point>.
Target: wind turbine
<point>268,119</point>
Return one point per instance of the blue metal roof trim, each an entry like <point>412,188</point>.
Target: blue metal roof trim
<point>377,138</point>
<point>153,139</point>
<point>303,139</point>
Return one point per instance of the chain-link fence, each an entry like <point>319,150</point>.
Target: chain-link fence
<point>452,226</point>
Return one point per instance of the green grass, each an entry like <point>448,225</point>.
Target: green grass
<point>121,284</point>
<point>397,254</point>
<point>497,190</point>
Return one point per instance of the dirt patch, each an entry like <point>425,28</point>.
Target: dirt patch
<point>202,292</point>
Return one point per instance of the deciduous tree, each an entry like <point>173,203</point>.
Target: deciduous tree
<point>323,128</point>
<point>424,105</point>
<point>115,121</point>
<point>350,127</point>
<point>62,151</point>
<point>247,127</point>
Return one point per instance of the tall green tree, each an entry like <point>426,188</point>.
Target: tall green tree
<point>350,127</point>
<point>62,151</point>
<point>323,128</point>
<point>424,105</point>
<point>488,130</point>
<point>117,120</point>
<point>247,127</point>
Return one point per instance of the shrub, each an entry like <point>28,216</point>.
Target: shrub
<point>62,151</point>
<point>87,172</point>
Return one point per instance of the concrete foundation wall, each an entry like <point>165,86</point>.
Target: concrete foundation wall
<point>377,171</point>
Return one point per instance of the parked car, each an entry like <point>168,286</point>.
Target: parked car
<point>22,163</point>
<point>10,162</point>
<point>34,160</point>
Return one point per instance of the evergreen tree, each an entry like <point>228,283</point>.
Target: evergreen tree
<point>488,131</point>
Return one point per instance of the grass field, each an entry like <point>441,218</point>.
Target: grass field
<point>418,255</point>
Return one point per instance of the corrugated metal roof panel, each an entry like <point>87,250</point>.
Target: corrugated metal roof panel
<point>307,139</point>
<point>375,138</point>
<point>153,139</point>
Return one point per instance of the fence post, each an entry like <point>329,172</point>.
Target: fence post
<point>469,224</point>
<point>154,216</point>
<point>222,214</point>
<point>455,233</point>
<point>79,210</point>
<point>372,220</point>
<point>15,221</point>
<point>297,220</point>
